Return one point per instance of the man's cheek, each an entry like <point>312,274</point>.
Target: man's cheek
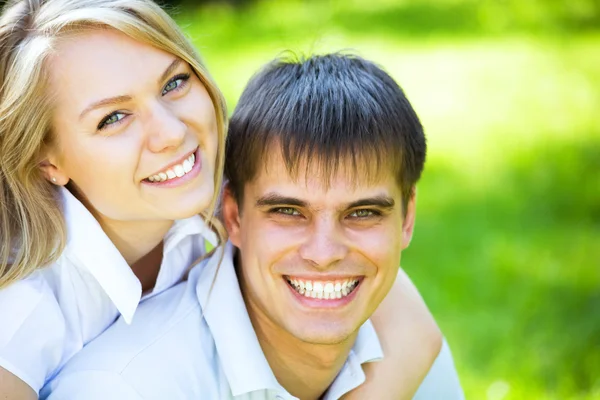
<point>277,238</point>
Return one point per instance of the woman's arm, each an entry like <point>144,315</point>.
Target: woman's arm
<point>12,388</point>
<point>411,341</point>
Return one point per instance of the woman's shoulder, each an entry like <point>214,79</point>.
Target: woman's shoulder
<point>33,331</point>
<point>25,297</point>
<point>49,316</point>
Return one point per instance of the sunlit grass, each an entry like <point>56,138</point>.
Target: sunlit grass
<point>507,246</point>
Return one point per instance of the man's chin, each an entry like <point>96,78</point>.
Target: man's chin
<point>329,334</point>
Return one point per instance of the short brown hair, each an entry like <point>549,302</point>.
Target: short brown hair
<point>329,109</point>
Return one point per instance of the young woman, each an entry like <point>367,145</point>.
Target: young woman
<point>111,150</point>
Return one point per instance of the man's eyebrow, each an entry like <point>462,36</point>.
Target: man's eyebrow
<point>274,199</point>
<point>377,201</point>
<point>122,99</point>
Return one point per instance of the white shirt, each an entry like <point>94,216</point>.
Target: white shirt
<point>49,316</point>
<point>172,351</point>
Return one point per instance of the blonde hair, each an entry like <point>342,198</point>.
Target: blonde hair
<point>32,228</point>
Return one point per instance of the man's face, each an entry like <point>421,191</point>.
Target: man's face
<point>317,260</point>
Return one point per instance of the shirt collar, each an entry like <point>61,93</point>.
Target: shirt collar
<point>234,335</point>
<point>179,254</point>
<point>194,225</point>
<point>236,340</point>
<point>366,349</point>
<point>94,251</point>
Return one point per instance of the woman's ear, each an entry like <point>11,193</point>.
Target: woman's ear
<point>231,215</point>
<point>408,224</point>
<point>51,169</point>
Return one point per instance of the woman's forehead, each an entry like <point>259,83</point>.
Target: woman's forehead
<point>99,64</point>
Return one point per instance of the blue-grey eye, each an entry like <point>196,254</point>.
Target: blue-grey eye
<point>175,83</point>
<point>111,119</point>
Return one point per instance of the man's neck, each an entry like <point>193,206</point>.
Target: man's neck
<point>305,370</point>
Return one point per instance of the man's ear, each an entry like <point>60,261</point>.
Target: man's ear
<point>51,170</point>
<point>408,224</point>
<point>231,216</point>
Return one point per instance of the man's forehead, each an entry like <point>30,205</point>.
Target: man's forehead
<point>315,176</point>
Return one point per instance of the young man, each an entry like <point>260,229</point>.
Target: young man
<point>322,160</point>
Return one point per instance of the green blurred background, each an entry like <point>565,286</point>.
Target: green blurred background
<point>507,247</point>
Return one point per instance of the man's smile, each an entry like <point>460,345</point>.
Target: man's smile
<point>323,289</point>
<point>324,293</point>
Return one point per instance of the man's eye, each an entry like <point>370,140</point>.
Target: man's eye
<point>111,119</point>
<point>176,83</point>
<point>363,213</point>
<point>287,211</point>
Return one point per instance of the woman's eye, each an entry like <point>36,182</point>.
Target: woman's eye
<point>111,119</point>
<point>362,213</point>
<point>175,83</point>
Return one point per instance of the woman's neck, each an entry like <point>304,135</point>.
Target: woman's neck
<point>135,239</point>
<point>147,268</point>
<point>138,241</point>
<point>141,244</point>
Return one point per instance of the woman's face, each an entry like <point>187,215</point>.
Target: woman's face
<point>135,129</point>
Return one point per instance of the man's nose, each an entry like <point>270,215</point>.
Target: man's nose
<point>325,244</point>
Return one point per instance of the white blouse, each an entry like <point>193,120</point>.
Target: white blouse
<point>49,316</point>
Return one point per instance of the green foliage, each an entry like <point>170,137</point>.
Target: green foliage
<point>507,246</point>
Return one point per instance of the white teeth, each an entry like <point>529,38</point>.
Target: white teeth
<point>179,171</point>
<point>329,287</point>
<point>176,171</point>
<point>187,166</point>
<point>326,290</point>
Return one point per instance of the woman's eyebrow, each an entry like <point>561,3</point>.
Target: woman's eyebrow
<point>169,70</point>
<point>103,103</point>
<point>122,99</point>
